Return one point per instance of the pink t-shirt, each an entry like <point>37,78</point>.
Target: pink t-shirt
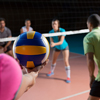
<point>10,77</point>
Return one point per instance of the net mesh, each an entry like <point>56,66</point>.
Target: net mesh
<point>71,13</point>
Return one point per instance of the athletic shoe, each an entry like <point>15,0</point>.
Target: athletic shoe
<point>68,80</point>
<point>50,73</point>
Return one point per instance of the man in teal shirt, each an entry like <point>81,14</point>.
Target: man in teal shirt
<point>92,51</point>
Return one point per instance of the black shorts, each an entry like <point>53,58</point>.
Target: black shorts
<point>95,89</point>
<point>8,48</point>
<point>67,48</point>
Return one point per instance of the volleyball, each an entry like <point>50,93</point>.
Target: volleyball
<point>31,49</point>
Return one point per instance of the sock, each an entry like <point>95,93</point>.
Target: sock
<point>67,68</point>
<point>53,67</point>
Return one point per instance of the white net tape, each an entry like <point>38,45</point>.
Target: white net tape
<point>50,35</point>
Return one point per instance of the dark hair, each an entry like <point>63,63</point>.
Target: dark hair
<point>27,20</point>
<point>94,19</point>
<point>2,19</point>
<point>55,19</point>
<point>59,37</point>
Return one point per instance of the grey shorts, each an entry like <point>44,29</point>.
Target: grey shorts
<point>67,48</point>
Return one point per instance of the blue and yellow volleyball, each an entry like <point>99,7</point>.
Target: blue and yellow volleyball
<point>31,48</point>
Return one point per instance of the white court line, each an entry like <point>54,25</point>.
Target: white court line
<point>69,58</point>
<point>74,95</point>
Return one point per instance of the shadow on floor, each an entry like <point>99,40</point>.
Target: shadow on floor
<point>44,76</point>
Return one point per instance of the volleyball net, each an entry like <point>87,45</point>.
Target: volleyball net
<point>72,14</point>
<point>82,31</point>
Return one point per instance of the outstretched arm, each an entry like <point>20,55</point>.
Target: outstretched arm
<point>29,80</point>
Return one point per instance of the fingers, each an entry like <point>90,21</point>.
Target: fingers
<point>17,60</point>
<point>38,68</point>
<point>19,63</point>
<point>46,62</point>
<point>36,74</point>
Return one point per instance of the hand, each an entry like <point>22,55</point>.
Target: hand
<point>35,69</point>
<point>52,44</point>
<point>5,49</point>
<point>38,68</point>
<point>92,78</point>
<point>19,63</point>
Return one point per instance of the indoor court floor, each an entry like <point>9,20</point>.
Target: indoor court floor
<point>55,87</point>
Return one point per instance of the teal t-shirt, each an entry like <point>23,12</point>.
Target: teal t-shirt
<point>55,40</point>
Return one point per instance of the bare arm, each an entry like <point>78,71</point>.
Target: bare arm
<point>58,43</point>
<point>5,48</point>
<point>51,40</point>
<point>91,67</point>
<point>21,31</point>
<point>8,43</point>
<point>29,80</point>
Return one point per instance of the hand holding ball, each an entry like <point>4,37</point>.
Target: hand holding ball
<point>31,48</point>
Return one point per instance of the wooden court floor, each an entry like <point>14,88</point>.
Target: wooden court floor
<point>55,87</point>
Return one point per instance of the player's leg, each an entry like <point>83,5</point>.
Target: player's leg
<point>54,58</point>
<point>66,61</point>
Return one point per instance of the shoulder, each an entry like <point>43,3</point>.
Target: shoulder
<point>89,36</point>
<point>62,30</point>
<point>31,28</point>
<point>23,27</point>
<point>51,31</point>
<point>7,29</point>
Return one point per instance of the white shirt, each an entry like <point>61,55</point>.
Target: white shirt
<point>25,30</point>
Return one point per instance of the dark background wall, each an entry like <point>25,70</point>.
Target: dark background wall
<point>72,13</point>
